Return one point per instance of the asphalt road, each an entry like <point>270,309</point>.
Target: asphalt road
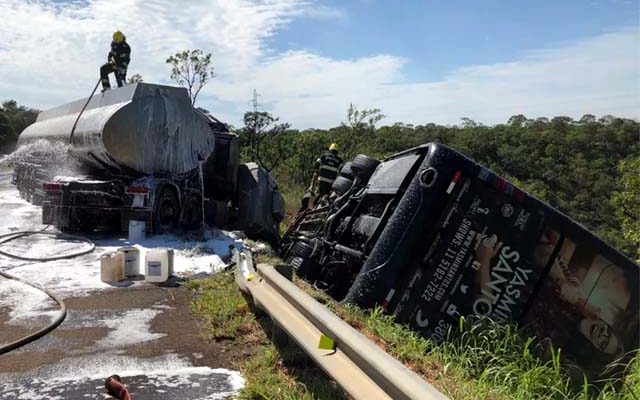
<point>144,333</point>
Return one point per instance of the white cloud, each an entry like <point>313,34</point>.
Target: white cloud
<point>50,54</point>
<point>600,75</point>
<point>322,12</point>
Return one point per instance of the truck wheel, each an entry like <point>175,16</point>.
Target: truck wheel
<point>192,212</point>
<point>363,166</point>
<point>166,211</point>
<point>341,185</point>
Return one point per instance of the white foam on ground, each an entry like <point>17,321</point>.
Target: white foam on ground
<point>80,276</point>
<point>191,257</point>
<point>132,327</point>
<point>152,376</point>
<point>25,303</point>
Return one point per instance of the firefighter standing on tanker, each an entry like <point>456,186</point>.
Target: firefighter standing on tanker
<point>325,171</point>
<point>117,61</point>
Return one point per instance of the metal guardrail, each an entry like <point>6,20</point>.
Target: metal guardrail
<point>360,367</point>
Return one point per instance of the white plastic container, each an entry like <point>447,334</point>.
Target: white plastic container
<point>112,267</point>
<point>136,231</point>
<point>158,265</point>
<point>131,260</point>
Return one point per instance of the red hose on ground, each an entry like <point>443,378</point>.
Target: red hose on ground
<point>116,388</point>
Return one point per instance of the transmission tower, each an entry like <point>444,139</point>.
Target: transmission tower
<point>254,101</point>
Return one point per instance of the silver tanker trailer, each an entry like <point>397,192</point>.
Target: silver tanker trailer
<point>142,152</point>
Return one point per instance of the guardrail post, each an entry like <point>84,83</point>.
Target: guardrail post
<point>285,270</point>
<point>279,336</point>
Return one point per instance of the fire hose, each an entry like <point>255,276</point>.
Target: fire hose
<point>113,384</point>
<point>63,308</point>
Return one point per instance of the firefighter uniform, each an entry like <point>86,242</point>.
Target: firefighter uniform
<point>117,61</point>
<point>328,166</point>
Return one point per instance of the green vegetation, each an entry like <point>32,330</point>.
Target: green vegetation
<point>219,303</point>
<point>286,373</point>
<point>13,119</point>
<point>627,201</point>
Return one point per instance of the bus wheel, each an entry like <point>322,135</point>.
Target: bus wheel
<point>341,185</point>
<point>363,166</point>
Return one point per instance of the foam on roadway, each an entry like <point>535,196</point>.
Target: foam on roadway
<point>142,332</point>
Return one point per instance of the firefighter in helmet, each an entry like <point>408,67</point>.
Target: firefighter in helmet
<point>117,61</point>
<point>325,172</point>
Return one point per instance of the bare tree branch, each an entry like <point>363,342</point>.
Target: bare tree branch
<point>192,70</point>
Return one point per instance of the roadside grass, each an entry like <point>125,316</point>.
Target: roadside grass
<point>480,361</point>
<point>270,372</point>
<point>225,312</point>
<point>292,196</point>
<point>286,373</point>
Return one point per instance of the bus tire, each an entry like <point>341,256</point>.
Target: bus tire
<point>341,185</point>
<point>363,166</point>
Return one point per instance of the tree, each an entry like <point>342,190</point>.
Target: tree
<point>360,126</point>
<point>13,120</point>
<point>468,123</point>
<point>192,70</point>
<point>135,78</point>
<point>517,120</point>
<point>588,119</point>
<point>627,202</point>
<point>261,128</point>
<point>7,133</point>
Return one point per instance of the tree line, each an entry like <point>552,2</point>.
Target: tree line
<point>13,119</point>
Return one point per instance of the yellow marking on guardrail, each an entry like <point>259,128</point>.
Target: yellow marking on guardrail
<point>326,343</point>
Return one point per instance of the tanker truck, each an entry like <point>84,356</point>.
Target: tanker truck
<point>142,152</point>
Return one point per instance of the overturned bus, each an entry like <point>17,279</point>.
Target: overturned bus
<point>432,236</point>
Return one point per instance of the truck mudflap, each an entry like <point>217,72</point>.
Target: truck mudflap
<point>28,179</point>
<point>86,219</point>
<point>260,203</point>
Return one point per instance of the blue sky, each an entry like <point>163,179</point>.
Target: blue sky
<point>418,61</point>
<point>438,36</point>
